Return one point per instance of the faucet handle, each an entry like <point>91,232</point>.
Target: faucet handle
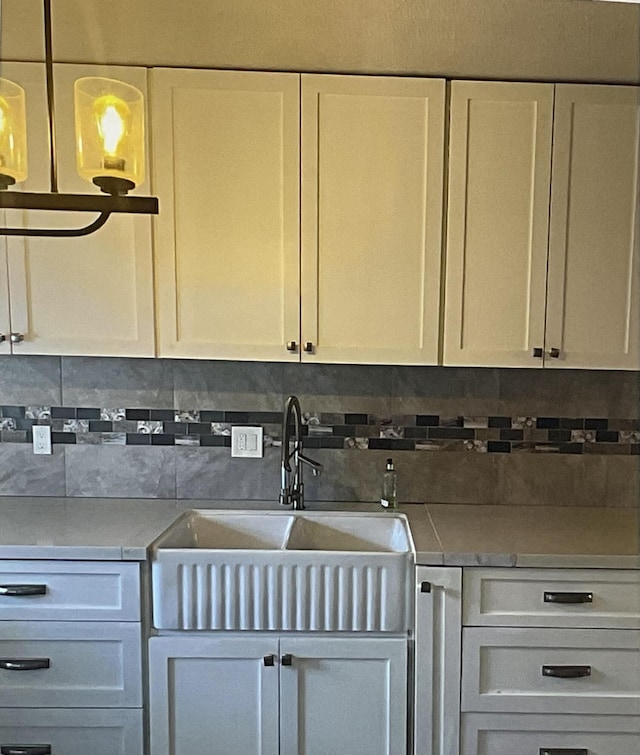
<point>315,465</point>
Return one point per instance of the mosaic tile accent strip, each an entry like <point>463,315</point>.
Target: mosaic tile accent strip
<point>422,432</point>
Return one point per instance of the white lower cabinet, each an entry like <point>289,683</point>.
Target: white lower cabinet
<point>550,662</point>
<point>70,687</point>
<point>70,732</point>
<point>503,734</point>
<point>582,671</point>
<point>70,664</point>
<point>270,694</point>
<point>436,705</point>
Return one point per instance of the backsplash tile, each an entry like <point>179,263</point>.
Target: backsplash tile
<point>119,471</point>
<point>117,381</point>
<point>421,432</point>
<point>30,380</point>
<point>23,473</point>
<point>456,434</point>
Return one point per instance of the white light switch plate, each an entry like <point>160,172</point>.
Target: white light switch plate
<point>41,439</point>
<point>246,442</point>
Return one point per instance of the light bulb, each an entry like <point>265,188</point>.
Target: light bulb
<point>4,107</point>
<point>4,118</point>
<point>109,117</point>
<point>13,134</point>
<point>112,116</point>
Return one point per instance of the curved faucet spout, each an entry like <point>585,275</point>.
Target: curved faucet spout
<point>292,487</point>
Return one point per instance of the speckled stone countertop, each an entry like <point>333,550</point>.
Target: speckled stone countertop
<point>444,534</point>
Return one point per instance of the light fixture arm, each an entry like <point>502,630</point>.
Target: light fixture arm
<point>48,58</point>
<point>113,200</point>
<point>59,232</point>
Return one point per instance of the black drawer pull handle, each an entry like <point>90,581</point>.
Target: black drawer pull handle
<point>566,672</point>
<point>425,587</point>
<point>568,597</point>
<point>24,664</point>
<point>287,659</point>
<point>563,751</point>
<point>20,590</point>
<point>269,660</point>
<point>25,750</point>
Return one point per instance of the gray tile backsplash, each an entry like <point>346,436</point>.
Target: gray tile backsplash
<point>117,381</point>
<point>115,471</point>
<point>359,415</point>
<point>30,380</point>
<point>244,386</point>
<point>23,473</point>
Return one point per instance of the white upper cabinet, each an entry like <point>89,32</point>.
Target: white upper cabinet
<point>527,286</point>
<point>77,296</point>
<point>593,309</point>
<point>226,172</point>
<point>372,169</point>
<point>499,171</point>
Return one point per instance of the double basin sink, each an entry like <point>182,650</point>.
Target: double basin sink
<point>283,571</point>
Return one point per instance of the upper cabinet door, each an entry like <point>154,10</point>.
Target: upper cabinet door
<point>5,320</point>
<point>372,170</point>
<point>226,172</point>
<point>84,296</point>
<point>499,177</point>
<point>593,316</point>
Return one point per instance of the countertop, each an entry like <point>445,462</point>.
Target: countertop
<point>444,534</point>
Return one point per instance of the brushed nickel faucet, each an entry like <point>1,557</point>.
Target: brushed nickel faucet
<point>292,487</point>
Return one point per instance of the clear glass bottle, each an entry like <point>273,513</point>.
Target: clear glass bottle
<point>389,495</point>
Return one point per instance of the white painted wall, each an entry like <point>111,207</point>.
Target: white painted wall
<point>552,40</point>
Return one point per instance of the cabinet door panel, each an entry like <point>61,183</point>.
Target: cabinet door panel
<point>226,170</point>
<point>499,174</point>
<point>343,696</point>
<point>93,664</point>
<point>372,151</point>
<point>5,322</point>
<point>85,296</point>
<point>508,734</point>
<point>503,670</point>
<point>213,695</point>
<point>74,731</point>
<point>594,253</point>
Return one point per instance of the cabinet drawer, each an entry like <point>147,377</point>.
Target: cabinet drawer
<point>521,671</point>
<point>78,664</point>
<point>74,732</point>
<point>69,591</point>
<point>558,734</point>
<point>552,598</point>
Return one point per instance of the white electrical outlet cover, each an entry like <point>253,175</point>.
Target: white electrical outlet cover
<point>41,439</point>
<point>246,442</point>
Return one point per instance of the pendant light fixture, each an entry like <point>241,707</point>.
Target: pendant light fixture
<point>109,120</point>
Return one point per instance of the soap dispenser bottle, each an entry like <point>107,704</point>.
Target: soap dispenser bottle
<point>389,496</point>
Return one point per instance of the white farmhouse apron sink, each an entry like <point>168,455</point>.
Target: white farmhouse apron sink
<point>283,571</point>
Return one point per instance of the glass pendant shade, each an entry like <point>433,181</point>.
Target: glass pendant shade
<point>13,134</point>
<point>109,118</point>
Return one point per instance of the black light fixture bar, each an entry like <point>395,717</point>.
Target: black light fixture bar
<point>104,204</point>
<point>24,200</point>
<point>51,105</point>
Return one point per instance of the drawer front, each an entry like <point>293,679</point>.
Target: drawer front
<point>69,591</point>
<point>65,664</point>
<point>582,598</point>
<point>555,735</point>
<point>73,732</point>
<point>551,670</point>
